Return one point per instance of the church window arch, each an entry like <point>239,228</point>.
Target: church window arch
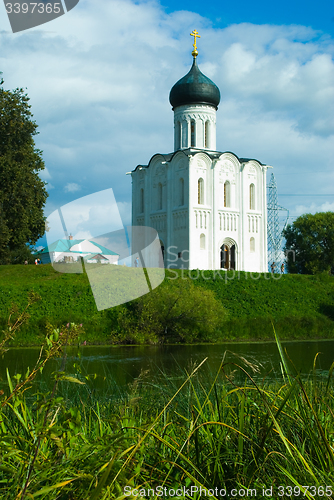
<point>178,135</point>
<point>202,241</point>
<point>200,191</point>
<point>141,201</point>
<point>252,245</point>
<point>162,247</point>
<point>181,191</point>
<point>159,207</point>
<point>227,257</point>
<point>192,134</point>
<point>207,134</point>
<point>184,134</point>
<point>252,197</point>
<point>227,194</point>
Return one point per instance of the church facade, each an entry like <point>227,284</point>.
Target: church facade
<point>208,207</point>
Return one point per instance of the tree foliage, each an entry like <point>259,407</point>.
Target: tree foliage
<point>22,192</point>
<point>310,243</point>
<point>176,311</point>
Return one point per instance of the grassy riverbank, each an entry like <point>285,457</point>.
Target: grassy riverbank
<point>299,306</point>
<point>228,435</point>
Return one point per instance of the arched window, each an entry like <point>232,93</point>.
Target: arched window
<point>159,207</point>
<point>227,194</point>
<point>207,134</point>
<point>252,197</point>
<point>192,133</point>
<point>227,257</point>
<point>252,244</point>
<point>200,191</point>
<point>202,241</point>
<point>178,136</point>
<point>141,201</point>
<point>184,134</point>
<point>162,253</point>
<point>181,192</point>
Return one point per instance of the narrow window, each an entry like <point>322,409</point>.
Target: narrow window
<point>159,196</point>
<point>200,191</point>
<point>232,257</point>
<point>224,257</point>
<point>252,245</point>
<point>207,134</point>
<point>252,197</point>
<point>178,135</point>
<point>141,201</point>
<point>227,194</point>
<point>192,131</point>
<point>161,263</point>
<point>202,241</point>
<point>181,192</point>
<point>184,134</point>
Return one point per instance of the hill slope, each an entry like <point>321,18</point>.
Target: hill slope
<point>299,306</point>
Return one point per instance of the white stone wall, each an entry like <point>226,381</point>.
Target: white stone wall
<point>198,230</point>
<point>200,115</point>
<point>193,227</point>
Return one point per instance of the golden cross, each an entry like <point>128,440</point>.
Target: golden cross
<point>195,35</point>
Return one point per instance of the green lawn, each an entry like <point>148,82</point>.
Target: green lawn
<point>299,306</point>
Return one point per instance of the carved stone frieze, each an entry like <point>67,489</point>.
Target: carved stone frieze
<point>181,164</point>
<point>160,170</point>
<point>226,172</point>
<point>251,172</point>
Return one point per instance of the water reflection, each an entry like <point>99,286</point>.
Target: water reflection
<point>118,366</point>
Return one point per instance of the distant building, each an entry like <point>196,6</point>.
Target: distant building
<point>69,250</point>
<point>209,207</point>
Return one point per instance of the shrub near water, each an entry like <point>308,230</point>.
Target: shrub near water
<point>177,311</point>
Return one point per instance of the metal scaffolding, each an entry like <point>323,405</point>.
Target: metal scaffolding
<point>275,233</point>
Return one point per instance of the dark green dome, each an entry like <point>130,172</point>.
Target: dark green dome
<point>194,88</point>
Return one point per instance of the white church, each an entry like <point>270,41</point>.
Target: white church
<point>208,207</point>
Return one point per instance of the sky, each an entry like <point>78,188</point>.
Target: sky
<point>99,79</point>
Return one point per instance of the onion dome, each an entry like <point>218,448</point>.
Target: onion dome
<point>194,88</point>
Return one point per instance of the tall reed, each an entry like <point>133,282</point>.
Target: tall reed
<point>230,435</point>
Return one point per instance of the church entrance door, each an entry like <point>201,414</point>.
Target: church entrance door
<point>227,257</point>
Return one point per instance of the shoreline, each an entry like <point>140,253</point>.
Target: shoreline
<point>228,341</point>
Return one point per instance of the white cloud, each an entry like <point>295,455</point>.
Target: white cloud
<point>72,187</point>
<point>99,80</point>
<point>82,235</point>
<point>314,208</point>
<point>86,217</point>
<point>45,174</point>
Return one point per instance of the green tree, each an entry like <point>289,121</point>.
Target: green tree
<point>22,192</point>
<point>176,311</point>
<point>310,243</point>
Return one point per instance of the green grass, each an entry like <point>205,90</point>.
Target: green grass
<point>228,433</point>
<point>300,306</point>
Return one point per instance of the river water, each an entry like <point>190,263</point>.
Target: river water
<point>119,366</point>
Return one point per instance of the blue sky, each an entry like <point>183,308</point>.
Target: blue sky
<point>318,15</point>
<point>99,79</point>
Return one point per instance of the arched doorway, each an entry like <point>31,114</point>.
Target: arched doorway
<point>227,257</point>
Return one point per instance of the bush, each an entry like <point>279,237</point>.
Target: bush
<point>176,311</point>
